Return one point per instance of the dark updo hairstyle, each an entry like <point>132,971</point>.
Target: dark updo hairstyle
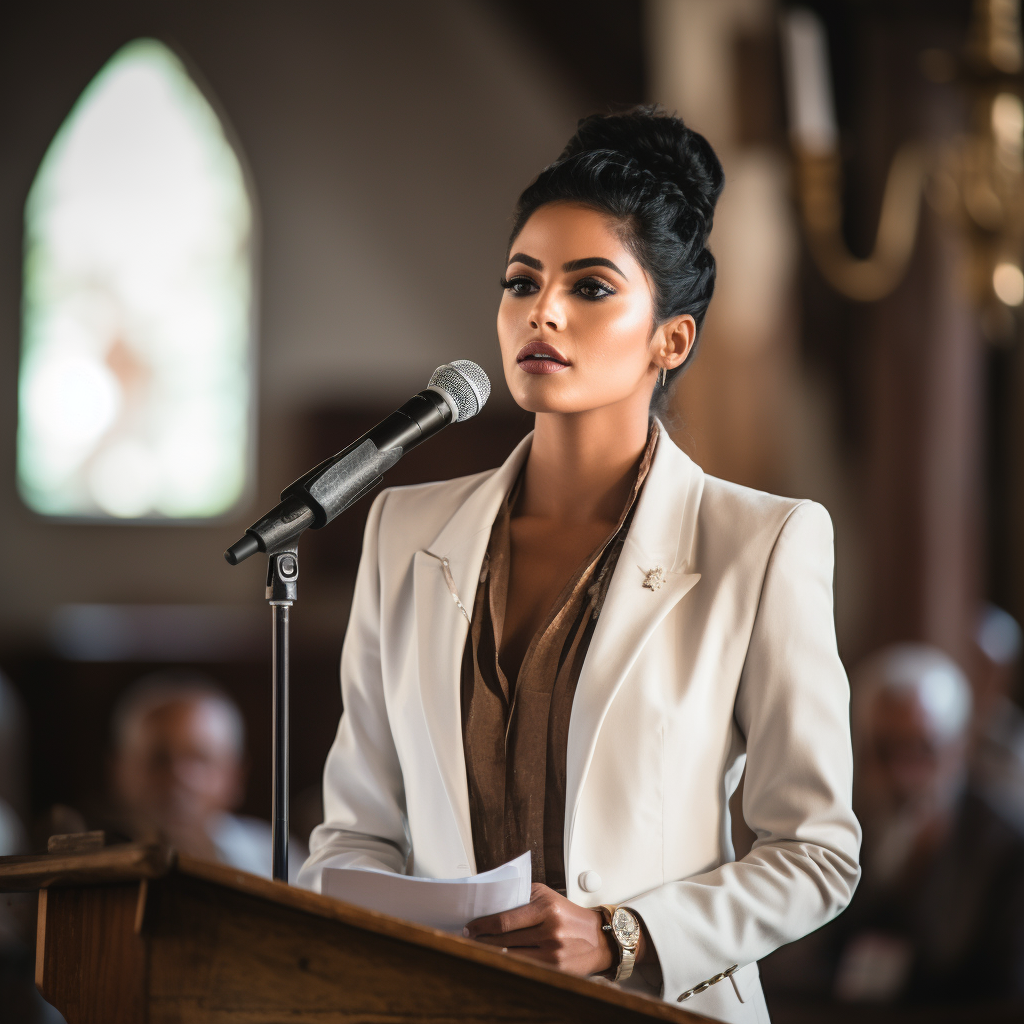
<point>661,180</point>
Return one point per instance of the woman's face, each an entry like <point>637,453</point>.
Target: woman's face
<point>576,318</point>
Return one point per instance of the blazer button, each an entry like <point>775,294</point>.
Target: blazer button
<point>590,881</point>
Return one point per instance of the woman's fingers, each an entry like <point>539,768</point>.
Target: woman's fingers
<point>508,921</point>
<point>549,929</point>
<point>526,916</point>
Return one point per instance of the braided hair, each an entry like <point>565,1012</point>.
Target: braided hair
<point>661,181</point>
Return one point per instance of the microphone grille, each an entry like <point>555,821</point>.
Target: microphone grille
<point>466,383</point>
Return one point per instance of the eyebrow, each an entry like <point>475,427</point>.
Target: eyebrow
<point>592,261</point>
<point>521,257</point>
<point>589,261</point>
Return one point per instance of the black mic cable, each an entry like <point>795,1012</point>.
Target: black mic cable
<point>456,391</point>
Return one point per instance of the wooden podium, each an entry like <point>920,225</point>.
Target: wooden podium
<point>136,934</point>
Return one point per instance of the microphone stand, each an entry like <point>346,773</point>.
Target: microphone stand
<point>456,391</point>
<point>282,592</point>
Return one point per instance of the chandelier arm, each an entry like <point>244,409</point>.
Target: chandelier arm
<point>820,188</point>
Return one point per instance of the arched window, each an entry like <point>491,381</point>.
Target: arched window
<point>135,380</point>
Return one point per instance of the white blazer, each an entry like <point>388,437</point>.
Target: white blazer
<point>731,662</point>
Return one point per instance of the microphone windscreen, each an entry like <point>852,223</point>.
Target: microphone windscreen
<point>465,383</point>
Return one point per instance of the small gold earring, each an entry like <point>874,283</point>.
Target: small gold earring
<point>663,377</point>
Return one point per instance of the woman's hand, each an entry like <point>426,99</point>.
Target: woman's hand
<point>552,930</point>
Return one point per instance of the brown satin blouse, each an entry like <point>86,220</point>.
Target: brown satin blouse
<point>515,732</point>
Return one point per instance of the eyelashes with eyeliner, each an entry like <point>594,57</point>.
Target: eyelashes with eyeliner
<point>603,290</point>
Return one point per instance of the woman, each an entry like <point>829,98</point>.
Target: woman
<point>576,654</point>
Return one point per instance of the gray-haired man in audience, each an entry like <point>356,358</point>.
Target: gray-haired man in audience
<point>939,914</point>
<point>178,772</point>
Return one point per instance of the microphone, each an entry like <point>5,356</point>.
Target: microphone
<point>456,391</point>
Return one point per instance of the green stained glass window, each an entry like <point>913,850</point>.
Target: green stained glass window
<point>135,379</point>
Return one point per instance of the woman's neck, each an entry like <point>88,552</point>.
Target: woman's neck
<point>581,465</point>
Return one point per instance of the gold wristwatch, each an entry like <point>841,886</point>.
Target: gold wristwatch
<point>625,929</point>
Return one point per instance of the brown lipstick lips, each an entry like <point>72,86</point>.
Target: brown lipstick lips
<point>543,349</point>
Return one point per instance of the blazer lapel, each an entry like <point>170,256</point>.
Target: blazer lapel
<point>662,535</point>
<point>445,580</point>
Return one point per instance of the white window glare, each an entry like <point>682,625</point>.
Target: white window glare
<point>134,386</point>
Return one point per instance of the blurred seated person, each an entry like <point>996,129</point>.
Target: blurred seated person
<point>939,914</point>
<point>997,765</point>
<point>178,773</point>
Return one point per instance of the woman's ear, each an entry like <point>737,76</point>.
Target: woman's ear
<point>673,341</point>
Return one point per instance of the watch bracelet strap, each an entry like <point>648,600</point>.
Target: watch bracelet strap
<point>626,964</point>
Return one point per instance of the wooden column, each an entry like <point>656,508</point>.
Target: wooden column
<point>921,399</point>
<point>924,458</point>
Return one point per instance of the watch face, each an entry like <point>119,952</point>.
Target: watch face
<point>626,928</point>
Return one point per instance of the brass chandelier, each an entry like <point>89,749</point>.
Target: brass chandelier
<point>976,180</point>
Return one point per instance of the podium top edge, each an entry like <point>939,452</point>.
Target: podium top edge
<point>125,863</point>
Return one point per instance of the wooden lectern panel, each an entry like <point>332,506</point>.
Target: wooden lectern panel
<point>207,944</point>
<point>90,962</point>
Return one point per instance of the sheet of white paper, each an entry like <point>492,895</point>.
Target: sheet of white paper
<point>445,903</point>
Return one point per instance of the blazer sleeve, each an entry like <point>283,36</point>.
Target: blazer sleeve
<point>364,795</point>
<point>792,706</point>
